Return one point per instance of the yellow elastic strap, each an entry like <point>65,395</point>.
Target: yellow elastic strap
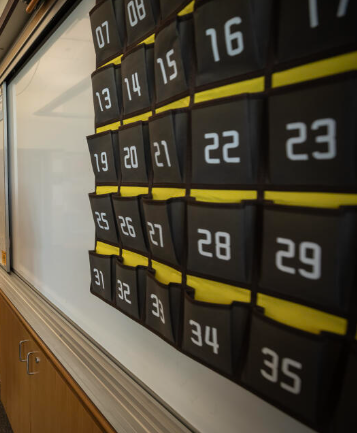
<point>131,191</point>
<point>187,9</point>
<point>166,274</point>
<point>134,259</point>
<point>250,86</point>
<point>106,249</point>
<point>311,199</point>
<point>110,127</point>
<point>223,196</point>
<point>149,40</point>
<point>100,190</point>
<point>311,71</point>
<point>217,293</point>
<point>166,193</point>
<point>181,103</point>
<point>301,317</point>
<point>115,61</point>
<point>141,117</point>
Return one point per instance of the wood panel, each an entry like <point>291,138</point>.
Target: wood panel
<point>54,406</point>
<point>15,384</point>
<point>100,423</point>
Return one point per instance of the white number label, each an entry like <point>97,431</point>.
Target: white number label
<point>329,139</point>
<point>136,12</point>
<point>222,244</point>
<point>171,63</point>
<point>123,291</point>
<point>103,161</point>
<point>130,157</point>
<point>234,135</point>
<point>101,218</point>
<point>197,336</point>
<point>100,36</point>
<point>152,227</point>
<point>125,223</point>
<point>135,84</point>
<point>158,153</point>
<point>314,16</point>
<point>108,102</point>
<point>309,254</point>
<point>234,40</point>
<point>99,278</point>
<point>158,309</point>
<point>273,374</point>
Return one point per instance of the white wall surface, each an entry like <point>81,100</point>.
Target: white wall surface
<point>51,112</point>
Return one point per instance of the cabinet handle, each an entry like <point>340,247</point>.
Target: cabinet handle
<point>20,350</point>
<point>37,360</point>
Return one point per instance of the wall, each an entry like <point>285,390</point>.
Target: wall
<point>51,112</point>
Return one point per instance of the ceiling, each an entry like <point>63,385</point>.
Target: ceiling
<point>13,18</point>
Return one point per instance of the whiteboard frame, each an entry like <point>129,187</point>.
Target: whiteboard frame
<point>4,172</point>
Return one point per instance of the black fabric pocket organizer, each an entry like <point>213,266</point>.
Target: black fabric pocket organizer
<point>226,136</point>
<point>103,149</point>
<point>291,368</point>
<point>231,38</point>
<point>168,144</point>
<point>128,216</point>
<point>130,285</point>
<point>138,79</point>
<point>214,333</point>
<point>163,308</point>
<point>141,17</point>
<point>312,138</point>
<point>134,153</point>
<point>313,27</point>
<point>103,216</point>
<point>102,275</point>
<point>107,95</point>
<point>220,240</point>
<point>345,419</point>
<point>169,7</point>
<point>172,62</point>
<point>164,220</point>
<point>108,30</point>
<point>309,254</point>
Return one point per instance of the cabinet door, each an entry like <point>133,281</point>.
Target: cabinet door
<point>54,406</point>
<point>15,384</point>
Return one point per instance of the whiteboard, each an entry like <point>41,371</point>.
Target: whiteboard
<point>50,113</point>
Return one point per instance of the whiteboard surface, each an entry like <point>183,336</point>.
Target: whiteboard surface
<point>51,112</point>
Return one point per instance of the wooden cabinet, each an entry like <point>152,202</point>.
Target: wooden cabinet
<point>15,384</point>
<point>35,395</point>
